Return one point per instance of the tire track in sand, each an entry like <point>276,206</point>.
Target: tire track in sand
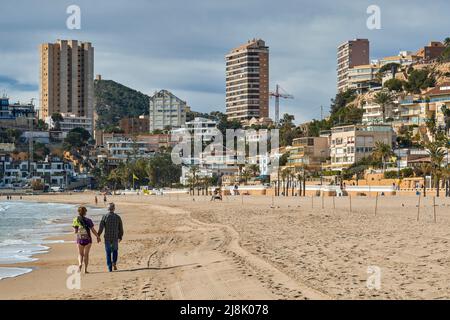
<point>223,269</point>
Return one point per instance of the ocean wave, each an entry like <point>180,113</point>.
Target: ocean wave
<point>13,272</point>
<point>9,242</point>
<point>24,229</point>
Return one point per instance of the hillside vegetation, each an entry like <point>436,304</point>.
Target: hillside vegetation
<point>114,101</point>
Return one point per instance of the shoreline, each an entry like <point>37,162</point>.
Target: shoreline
<point>59,237</point>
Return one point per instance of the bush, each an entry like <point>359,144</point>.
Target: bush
<point>407,172</point>
<point>419,79</point>
<point>391,175</point>
<point>394,85</point>
<point>330,173</point>
<point>37,185</point>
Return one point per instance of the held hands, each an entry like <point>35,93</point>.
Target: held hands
<point>99,239</point>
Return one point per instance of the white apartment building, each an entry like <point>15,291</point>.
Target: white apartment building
<point>121,149</point>
<point>198,128</point>
<point>209,164</point>
<point>51,172</point>
<point>166,110</point>
<point>373,113</point>
<point>363,78</point>
<point>351,143</point>
<point>72,121</point>
<point>404,58</point>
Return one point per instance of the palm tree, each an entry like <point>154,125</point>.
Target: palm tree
<point>194,178</point>
<point>447,42</point>
<point>446,178</point>
<point>254,169</point>
<point>382,151</point>
<point>299,178</point>
<point>437,155</point>
<point>246,175</point>
<point>113,177</point>
<point>284,176</point>
<point>384,98</point>
<point>292,179</point>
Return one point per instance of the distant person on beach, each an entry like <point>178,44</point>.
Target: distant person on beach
<point>104,199</point>
<point>112,225</point>
<point>83,227</point>
<point>96,200</point>
<point>216,195</point>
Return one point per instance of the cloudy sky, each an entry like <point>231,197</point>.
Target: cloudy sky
<point>180,45</point>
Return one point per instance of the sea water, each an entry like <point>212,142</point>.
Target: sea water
<point>24,227</point>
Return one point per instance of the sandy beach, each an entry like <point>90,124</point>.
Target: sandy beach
<point>182,247</point>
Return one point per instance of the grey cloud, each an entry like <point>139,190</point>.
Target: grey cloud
<point>180,45</point>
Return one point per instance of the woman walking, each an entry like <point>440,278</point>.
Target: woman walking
<point>83,227</point>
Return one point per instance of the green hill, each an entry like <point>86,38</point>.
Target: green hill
<point>114,101</point>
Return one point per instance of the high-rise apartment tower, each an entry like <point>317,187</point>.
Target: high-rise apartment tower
<point>351,53</point>
<point>247,81</point>
<point>67,78</point>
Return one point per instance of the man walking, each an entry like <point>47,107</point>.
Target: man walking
<point>112,224</point>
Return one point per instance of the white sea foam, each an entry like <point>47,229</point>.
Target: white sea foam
<point>24,228</point>
<point>13,272</point>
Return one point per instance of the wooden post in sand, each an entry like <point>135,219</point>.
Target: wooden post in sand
<point>323,206</point>
<point>242,199</point>
<point>418,208</point>
<point>312,202</point>
<point>350,199</point>
<point>434,208</point>
<point>376,203</point>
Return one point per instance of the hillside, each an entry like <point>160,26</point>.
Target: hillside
<point>114,101</point>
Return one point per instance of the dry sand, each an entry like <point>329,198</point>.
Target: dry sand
<point>247,248</point>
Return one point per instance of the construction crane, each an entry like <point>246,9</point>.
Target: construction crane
<point>277,94</point>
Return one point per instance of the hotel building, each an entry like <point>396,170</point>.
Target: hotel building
<point>247,81</point>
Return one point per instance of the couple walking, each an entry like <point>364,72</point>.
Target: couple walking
<point>111,225</point>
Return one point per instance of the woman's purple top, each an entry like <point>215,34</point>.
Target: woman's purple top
<point>88,222</point>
